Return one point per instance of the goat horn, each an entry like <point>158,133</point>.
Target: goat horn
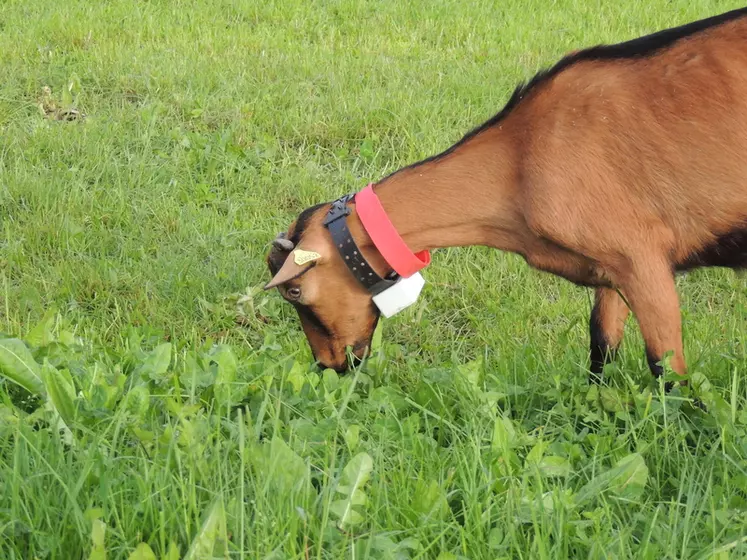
<point>283,244</point>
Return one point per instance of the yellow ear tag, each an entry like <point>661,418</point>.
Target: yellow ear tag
<point>302,257</point>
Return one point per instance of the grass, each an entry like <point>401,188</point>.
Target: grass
<point>173,403</point>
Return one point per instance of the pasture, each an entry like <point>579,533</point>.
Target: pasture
<point>156,403</point>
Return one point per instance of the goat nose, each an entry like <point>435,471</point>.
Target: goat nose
<point>339,368</point>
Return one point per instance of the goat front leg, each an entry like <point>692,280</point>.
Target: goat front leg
<point>606,327</point>
<point>650,289</point>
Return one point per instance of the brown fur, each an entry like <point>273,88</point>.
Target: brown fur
<point>611,172</point>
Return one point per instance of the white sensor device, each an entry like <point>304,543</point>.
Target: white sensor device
<point>400,296</point>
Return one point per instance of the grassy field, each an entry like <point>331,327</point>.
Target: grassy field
<point>156,403</point>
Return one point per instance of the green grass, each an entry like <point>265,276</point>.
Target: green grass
<point>182,408</point>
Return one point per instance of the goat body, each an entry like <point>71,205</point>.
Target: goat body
<point>615,169</point>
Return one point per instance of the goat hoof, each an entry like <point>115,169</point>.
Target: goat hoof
<point>697,403</point>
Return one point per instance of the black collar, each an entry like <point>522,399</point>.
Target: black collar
<point>336,223</point>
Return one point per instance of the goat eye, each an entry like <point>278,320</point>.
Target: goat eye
<point>294,293</point>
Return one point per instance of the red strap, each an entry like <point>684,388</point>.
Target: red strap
<point>384,235</point>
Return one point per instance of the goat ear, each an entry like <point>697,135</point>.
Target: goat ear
<point>288,271</point>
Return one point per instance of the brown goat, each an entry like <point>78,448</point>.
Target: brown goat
<point>615,169</point>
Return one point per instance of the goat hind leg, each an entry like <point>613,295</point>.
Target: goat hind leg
<point>606,326</point>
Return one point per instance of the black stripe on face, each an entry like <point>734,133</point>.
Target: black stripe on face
<point>308,314</point>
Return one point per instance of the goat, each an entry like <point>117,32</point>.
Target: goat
<point>615,169</point>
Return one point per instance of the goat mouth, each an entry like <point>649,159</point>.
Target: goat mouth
<point>338,368</point>
<point>344,367</point>
<point>355,359</point>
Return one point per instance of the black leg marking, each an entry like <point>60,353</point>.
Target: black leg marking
<point>653,364</point>
<point>657,370</point>
<point>601,353</point>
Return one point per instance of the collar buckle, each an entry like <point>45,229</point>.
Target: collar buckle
<point>339,209</point>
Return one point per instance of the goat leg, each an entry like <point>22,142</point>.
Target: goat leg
<point>650,290</point>
<point>606,327</point>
